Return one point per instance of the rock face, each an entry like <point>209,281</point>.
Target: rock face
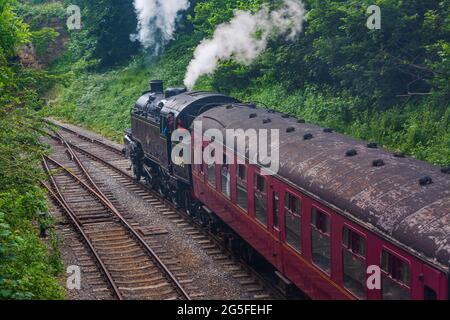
<point>28,58</point>
<point>58,45</point>
<point>32,59</point>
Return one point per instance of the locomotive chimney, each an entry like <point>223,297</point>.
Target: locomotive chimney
<point>157,86</point>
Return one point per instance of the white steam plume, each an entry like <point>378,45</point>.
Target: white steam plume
<point>156,21</point>
<point>245,37</point>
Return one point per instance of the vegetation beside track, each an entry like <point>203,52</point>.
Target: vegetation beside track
<point>29,266</point>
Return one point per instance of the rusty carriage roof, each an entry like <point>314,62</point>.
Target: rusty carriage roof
<point>385,192</point>
<point>183,101</point>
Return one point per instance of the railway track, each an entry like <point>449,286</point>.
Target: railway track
<point>132,268</point>
<point>116,165</point>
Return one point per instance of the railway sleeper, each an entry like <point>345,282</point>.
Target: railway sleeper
<point>149,266</point>
<point>140,281</point>
<point>113,239</point>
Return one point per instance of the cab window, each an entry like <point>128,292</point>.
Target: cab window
<point>162,125</point>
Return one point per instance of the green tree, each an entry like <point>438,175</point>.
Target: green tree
<point>376,64</point>
<point>107,26</point>
<point>27,271</point>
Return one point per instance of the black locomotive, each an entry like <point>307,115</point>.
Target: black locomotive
<point>155,116</point>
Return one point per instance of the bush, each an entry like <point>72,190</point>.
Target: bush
<point>42,38</point>
<point>27,269</point>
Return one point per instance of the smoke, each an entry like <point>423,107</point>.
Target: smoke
<point>156,21</point>
<point>245,37</point>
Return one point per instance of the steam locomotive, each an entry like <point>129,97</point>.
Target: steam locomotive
<point>341,219</point>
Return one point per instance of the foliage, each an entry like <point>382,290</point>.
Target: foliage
<point>42,38</point>
<point>376,64</point>
<point>27,269</point>
<point>13,31</point>
<point>47,28</point>
<point>38,13</point>
<point>106,29</point>
<point>390,85</point>
<point>209,13</point>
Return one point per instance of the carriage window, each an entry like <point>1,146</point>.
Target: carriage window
<point>276,210</point>
<point>354,242</point>
<point>226,181</point>
<point>260,183</point>
<point>260,198</point>
<point>292,203</point>
<point>396,277</point>
<point>242,186</point>
<point>199,166</point>
<point>242,172</point>
<point>321,221</point>
<point>212,174</point>
<point>354,252</point>
<point>321,240</point>
<point>212,171</point>
<point>292,208</point>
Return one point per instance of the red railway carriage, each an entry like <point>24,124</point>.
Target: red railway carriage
<point>337,209</point>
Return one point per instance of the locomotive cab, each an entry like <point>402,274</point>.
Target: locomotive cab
<point>158,113</point>
<point>154,117</point>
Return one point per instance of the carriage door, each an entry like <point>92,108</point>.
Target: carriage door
<point>431,281</point>
<point>274,214</point>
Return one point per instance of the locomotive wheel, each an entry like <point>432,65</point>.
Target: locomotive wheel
<point>148,181</point>
<point>174,197</point>
<point>136,172</point>
<point>150,178</point>
<point>247,253</point>
<point>187,203</point>
<point>160,189</point>
<point>204,218</point>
